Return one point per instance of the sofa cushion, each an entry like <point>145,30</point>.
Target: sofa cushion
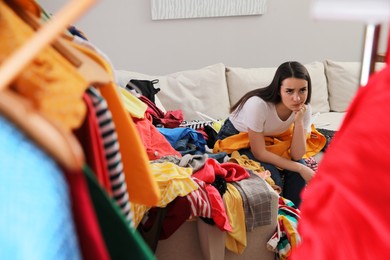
<point>202,90</point>
<point>343,82</point>
<point>242,80</point>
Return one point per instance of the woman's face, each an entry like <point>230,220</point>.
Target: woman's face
<point>294,93</point>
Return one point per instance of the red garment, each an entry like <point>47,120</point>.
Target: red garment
<point>344,211</point>
<point>91,141</point>
<point>155,143</point>
<point>207,174</point>
<point>234,172</point>
<point>88,230</point>
<point>170,119</point>
<point>229,171</point>
<point>178,211</point>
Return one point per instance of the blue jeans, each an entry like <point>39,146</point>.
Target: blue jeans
<point>291,182</point>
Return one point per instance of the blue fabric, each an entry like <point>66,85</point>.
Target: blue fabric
<point>185,140</point>
<point>35,208</point>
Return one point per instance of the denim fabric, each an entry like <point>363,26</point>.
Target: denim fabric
<point>218,156</point>
<point>227,130</point>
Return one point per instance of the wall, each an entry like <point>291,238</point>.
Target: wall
<point>123,29</point>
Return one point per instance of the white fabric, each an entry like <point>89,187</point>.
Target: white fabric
<point>261,116</point>
<point>242,80</point>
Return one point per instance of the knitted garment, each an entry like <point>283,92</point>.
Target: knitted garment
<point>35,207</point>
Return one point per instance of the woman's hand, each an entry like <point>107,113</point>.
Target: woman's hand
<point>299,115</point>
<point>306,173</point>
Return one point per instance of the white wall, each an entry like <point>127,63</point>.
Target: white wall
<point>124,30</point>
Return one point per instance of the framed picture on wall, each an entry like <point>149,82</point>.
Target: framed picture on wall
<point>182,9</point>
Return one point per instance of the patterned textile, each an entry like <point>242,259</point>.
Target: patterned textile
<point>112,152</point>
<point>196,124</point>
<point>312,163</point>
<point>35,208</point>
<point>256,199</point>
<point>199,201</point>
<point>287,237</point>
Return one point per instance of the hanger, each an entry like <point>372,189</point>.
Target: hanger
<point>87,67</point>
<point>61,145</point>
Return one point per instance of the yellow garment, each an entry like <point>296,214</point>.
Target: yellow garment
<point>279,144</point>
<point>173,181</point>
<point>236,239</point>
<point>245,162</point>
<point>141,184</point>
<point>133,105</point>
<point>50,81</point>
<point>256,167</point>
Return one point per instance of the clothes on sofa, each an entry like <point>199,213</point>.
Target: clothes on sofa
<point>172,181</point>
<point>256,201</point>
<point>199,201</point>
<point>154,142</point>
<point>254,166</point>
<point>168,119</point>
<point>184,140</point>
<point>235,239</point>
<point>286,237</point>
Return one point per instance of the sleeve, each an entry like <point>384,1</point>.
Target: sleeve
<point>255,110</point>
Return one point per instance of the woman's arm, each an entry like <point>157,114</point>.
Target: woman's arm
<point>298,142</point>
<point>258,149</point>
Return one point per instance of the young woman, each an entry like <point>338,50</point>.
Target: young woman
<point>269,112</point>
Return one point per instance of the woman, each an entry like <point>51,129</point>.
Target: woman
<point>269,112</point>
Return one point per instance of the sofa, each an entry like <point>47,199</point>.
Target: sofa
<point>212,90</point>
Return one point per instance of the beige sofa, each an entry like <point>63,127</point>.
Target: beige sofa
<point>212,90</point>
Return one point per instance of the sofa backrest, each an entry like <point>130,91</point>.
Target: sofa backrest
<point>203,90</point>
<point>212,90</point>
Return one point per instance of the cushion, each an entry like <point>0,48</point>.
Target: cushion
<point>203,90</point>
<point>242,80</point>
<point>343,82</point>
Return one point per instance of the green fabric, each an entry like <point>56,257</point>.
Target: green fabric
<point>122,241</point>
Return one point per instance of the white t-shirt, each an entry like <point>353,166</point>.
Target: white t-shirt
<point>261,116</point>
